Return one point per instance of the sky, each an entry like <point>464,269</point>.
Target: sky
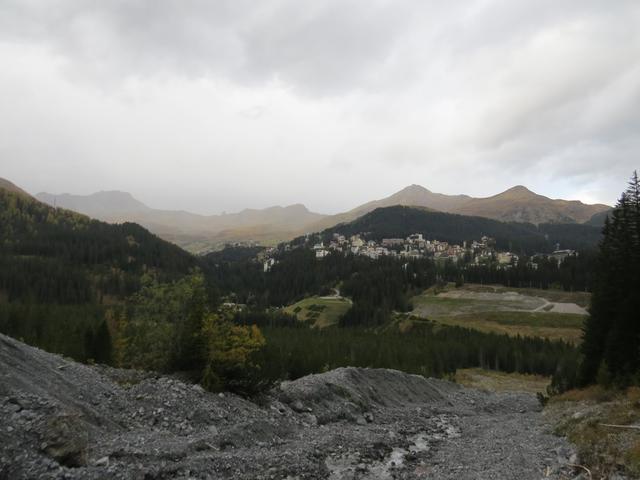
<point>219,106</point>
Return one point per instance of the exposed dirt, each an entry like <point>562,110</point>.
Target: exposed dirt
<point>464,302</point>
<point>561,307</point>
<point>503,300</point>
<point>60,419</point>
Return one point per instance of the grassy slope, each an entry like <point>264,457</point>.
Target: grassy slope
<point>500,381</point>
<point>554,326</point>
<point>585,417</point>
<point>321,311</point>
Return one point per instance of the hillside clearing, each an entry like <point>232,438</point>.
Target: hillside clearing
<point>494,381</point>
<point>320,312</point>
<point>501,310</point>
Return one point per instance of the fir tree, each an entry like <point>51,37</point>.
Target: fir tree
<point>611,346</point>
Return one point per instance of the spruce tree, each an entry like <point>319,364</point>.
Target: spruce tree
<point>611,345</point>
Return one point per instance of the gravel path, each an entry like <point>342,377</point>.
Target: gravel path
<point>60,419</point>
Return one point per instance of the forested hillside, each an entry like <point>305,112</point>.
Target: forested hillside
<point>399,221</point>
<point>59,269</point>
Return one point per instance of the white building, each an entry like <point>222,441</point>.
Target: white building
<point>268,263</point>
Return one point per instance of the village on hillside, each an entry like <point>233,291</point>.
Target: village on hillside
<point>415,246</point>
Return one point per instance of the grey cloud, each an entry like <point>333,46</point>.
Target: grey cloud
<point>314,47</point>
<point>393,90</point>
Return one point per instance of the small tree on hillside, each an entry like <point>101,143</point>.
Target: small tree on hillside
<point>230,352</point>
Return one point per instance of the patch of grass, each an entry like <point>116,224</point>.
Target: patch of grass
<point>500,381</point>
<point>585,417</point>
<point>593,393</point>
<point>632,459</point>
<point>554,326</point>
<point>535,319</point>
<point>320,312</point>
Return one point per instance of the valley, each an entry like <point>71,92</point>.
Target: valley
<point>335,240</point>
<point>304,340</point>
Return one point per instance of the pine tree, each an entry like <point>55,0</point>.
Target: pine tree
<point>611,345</point>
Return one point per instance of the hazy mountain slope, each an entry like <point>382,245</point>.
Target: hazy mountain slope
<point>519,204</point>
<point>416,195</point>
<point>598,219</point>
<point>413,195</point>
<point>269,225</point>
<point>97,204</point>
<point>11,187</point>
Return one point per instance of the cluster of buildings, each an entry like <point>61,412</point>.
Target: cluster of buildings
<point>415,246</point>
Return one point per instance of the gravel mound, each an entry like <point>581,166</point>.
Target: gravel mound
<point>350,393</point>
<point>63,420</point>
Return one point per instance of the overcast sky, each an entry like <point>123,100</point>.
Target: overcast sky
<point>219,105</point>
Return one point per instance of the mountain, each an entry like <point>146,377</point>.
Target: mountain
<point>112,203</point>
<point>413,195</point>
<point>401,221</point>
<point>198,233</point>
<point>191,231</point>
<point>518,204</point>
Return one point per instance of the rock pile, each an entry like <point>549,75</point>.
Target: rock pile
<point>63,420</point>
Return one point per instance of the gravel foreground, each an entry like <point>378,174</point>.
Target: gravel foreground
<point>64,420</point>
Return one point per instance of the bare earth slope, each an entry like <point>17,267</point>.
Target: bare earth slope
<point>60,419</point>
<point>519,204</point>
<point>411,196</point>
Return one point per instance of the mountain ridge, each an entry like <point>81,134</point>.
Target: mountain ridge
<point>516,204</point>
<point>197,233</point>
<point>275,223</point>
<point>11,187</point>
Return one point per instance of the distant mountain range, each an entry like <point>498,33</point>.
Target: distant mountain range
<point>189,230</point>
<point>199,233</point>
<point>518,204</point>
